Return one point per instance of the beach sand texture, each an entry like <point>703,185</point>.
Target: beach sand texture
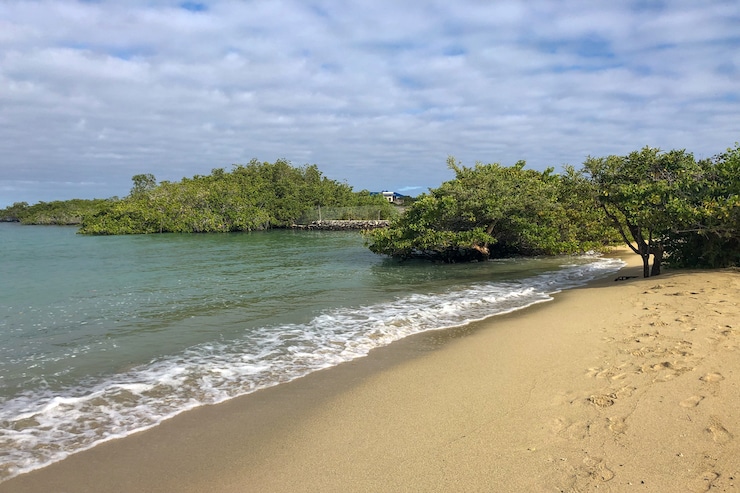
<point>620,386</point>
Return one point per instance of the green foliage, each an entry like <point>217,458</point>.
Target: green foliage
<point>58,212</point>
<point>664,205</point>
<point>634,191</point>
<point>586,223</point>
<point>256,196</point>
<point>14,212</point>
<point>492,210</point>
<point>378,209</point>
<point>667,205</point>
<point>143,184</point>
<point>420,232</point>
<point>708,234</point>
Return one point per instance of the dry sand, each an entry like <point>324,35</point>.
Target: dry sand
<point>620,386</point>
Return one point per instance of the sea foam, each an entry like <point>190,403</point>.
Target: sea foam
<point>40,427</point>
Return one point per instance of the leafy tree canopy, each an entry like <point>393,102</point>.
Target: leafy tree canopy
<point>664,205</point>
<point>707,233</point>
<point>58,212</point>
<point>259,195</point>
<point>493,210</point>
<point>671,207</point>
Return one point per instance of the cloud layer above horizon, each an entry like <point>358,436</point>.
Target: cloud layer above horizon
<point>376,93</point>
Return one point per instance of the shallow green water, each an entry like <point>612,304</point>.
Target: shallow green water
<point>102,336</point>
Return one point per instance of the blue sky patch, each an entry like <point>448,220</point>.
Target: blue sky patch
<point>194,6</point>
<point>455,51</point>
<point>648,6</point>
<point>588,46</point>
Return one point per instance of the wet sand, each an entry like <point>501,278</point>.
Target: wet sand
<point>619,386</point>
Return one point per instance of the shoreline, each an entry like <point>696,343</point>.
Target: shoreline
<point>438,410</point>
<point>45,427</point>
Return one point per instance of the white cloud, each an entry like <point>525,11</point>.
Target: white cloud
<point>377,93</point>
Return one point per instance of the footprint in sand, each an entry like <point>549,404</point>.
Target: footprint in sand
<point>572,430</point>
<point>692,401</point>
<point>597,372</point>
<point>602,400</point>
<point>612,373</point>
<point>712,378</point>
<point>727,331</point>
<point>597,469</point>
<point>624,392</point>
<point>718,431</point>
<point>617,425</point>
<point>704,482</point>
<point>683,293</point>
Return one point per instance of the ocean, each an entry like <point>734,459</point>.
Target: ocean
<point>103,336</point>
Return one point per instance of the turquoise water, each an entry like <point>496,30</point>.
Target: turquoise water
<point>104,336</point>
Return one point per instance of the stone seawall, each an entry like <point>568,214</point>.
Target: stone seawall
<point>337,225</point>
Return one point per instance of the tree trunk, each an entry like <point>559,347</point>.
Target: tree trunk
<point>657,260</point>
<point>644,250</point>
<point>645,264</point>
<point>483,250</point>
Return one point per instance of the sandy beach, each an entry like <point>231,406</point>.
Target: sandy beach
<point>629,385</point>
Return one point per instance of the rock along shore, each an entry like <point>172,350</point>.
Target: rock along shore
<point>343,225</point>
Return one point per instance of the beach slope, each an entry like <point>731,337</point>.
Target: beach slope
<point>629,385</point>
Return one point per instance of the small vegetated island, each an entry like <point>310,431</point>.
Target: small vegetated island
<point>667,206</point>
<point>252,197</point>
<point>258,196</point>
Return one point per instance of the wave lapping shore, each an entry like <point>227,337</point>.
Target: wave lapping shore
<point>144,329</point>
<point>620,386</point>
<point>45,425</point>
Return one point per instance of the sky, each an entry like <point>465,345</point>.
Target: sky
<point>376,93</point>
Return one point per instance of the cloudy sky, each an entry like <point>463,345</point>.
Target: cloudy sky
<point>377,93</point>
